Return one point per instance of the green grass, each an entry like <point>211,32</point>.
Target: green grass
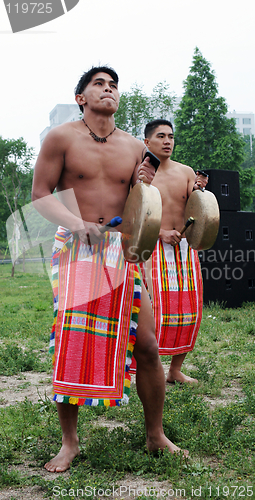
<point>215,420</point>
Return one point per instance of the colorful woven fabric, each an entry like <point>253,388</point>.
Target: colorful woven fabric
<point>174,281</point>
<point>97,297</point>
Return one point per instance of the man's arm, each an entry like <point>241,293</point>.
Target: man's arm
<point>200,181</point>
<point>173,236</point>
<point>143,171</point>
<point>48,170</point>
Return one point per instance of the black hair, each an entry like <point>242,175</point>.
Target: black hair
<point>151,126</point>
<point>88,75</point>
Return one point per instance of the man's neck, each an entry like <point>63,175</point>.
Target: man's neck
<point>165,163</point>
<point>101,124</point>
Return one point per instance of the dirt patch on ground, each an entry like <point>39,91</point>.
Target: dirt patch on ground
<point>229,395</point>
<point>34,386</point>
<point>128,487</point>
<point>30,385</point>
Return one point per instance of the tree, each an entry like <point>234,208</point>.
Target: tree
<point>162,101</point>
<point>247,175</point>
<point>205,137</point>
<point>15,181</point>
<point>136,108</point>
<point>249,152</point>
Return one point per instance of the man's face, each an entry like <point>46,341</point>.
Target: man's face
<point>161,142</point>
<point>101,94</point>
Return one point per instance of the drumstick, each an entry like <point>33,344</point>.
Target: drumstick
<point>187,224</point>
<point>113,223</point>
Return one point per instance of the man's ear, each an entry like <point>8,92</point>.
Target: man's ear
<point>80,99</point>
<point>146,142</point>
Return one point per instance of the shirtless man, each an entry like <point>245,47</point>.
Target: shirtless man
<point>175,182</point>
<point>100,162</point>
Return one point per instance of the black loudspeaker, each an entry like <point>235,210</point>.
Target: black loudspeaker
<point>235,240</point>
<point>229,282</point>
<point>225,185</point>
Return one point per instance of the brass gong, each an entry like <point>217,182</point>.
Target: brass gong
<point>141,222</point>
<point>202,206</point>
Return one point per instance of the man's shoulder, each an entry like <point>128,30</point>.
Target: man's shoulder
<point>64,129</point>
<point>129,139</point>
<point>185,168</point>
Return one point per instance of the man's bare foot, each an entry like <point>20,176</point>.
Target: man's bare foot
<point>163,443</point>
<point>180,377</point>
<point>63,459</point>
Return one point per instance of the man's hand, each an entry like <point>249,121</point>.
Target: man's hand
<point>145,171</point>
<point>90,234</point>
<point>200,181</point>
<point>171,237</point>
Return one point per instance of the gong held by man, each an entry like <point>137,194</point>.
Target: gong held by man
<point>142,220</point>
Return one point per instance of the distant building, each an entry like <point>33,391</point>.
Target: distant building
<point>245,123</point>
<point>62,113</point>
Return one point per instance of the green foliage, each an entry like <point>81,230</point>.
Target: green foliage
<point>136,108</point>
<point>247,175</point>
<point>9,478</point>
<point>249,151</point>
<point>214,419</point>
<point>204,136</point>
<point>15,177</point>
<point>247,188</point>
<point>162,101</point>
<point>14,360</point>
<point>133,110</point>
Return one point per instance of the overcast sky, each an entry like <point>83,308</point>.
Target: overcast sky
<point>144,41</point>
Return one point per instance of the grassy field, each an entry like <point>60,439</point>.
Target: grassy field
<point>215,420</point>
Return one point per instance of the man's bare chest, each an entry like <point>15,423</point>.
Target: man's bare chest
<point>172,188</point>
<point>92,160</point>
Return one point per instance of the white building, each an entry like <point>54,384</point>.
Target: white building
<point>62,113</point>
<point>245,123</point>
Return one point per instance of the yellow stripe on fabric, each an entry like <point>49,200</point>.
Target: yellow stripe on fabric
<point>179,319</point>
<point>106,327</point>
<point>92,317</point>
<point>105,248</point>
<point>55,284</point>
<point>163,269</point>
<point>127,383</point>
<point>73,401</point>
<point>178,262</point>
<point>107,402</point>
<point>135,309</point>
<point>191,284</point>
<point>130,347</point>
<point>64,249</point>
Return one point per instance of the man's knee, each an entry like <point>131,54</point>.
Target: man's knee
<point>147,350</point>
